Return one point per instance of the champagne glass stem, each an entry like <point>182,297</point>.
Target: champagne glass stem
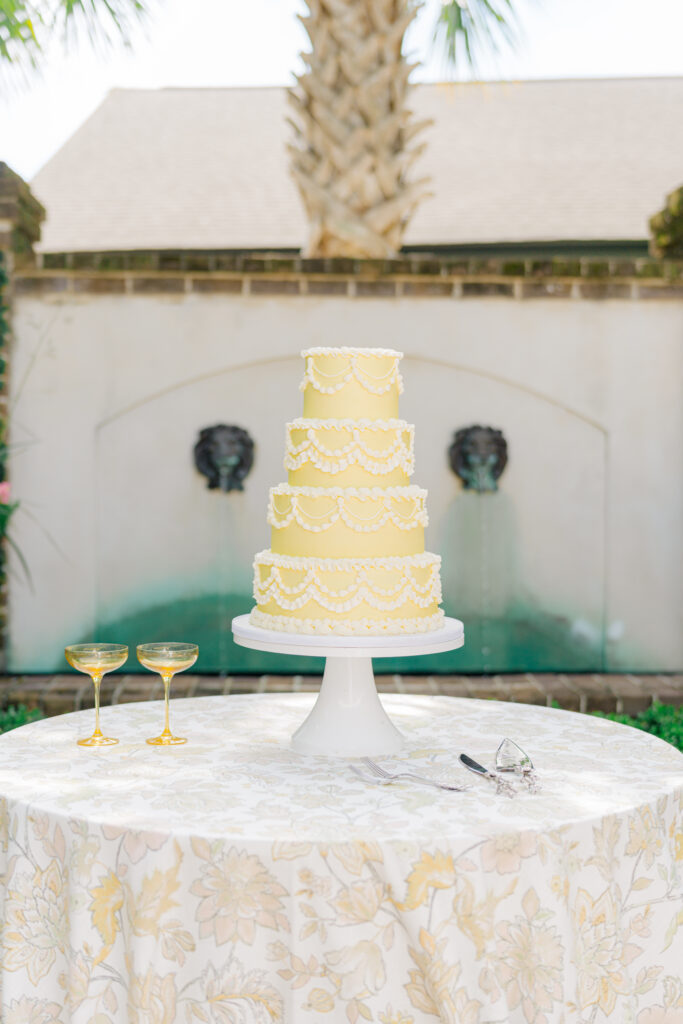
<point>96,681</point>
<point>167,683</point>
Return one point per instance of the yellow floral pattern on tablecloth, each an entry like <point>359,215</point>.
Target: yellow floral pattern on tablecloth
<point>235,882</point>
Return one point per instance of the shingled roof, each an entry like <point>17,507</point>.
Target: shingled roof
<point>513,162</point>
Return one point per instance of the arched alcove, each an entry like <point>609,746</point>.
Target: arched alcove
<point>524,567</point>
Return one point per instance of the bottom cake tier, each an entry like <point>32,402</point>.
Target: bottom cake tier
<point>347,596</point>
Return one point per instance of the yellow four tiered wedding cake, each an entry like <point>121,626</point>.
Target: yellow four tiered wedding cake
<point>347,550</point>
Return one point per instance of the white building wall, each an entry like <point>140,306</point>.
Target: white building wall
<point>108,394</point>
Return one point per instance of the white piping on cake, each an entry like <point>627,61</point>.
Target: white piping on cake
<point>385,511</point>
<point>351,350</point>
<point>352,371</point>
<point>357,452</point>
<point>423,560</point>
<point>363,587</point>
<point>348,627</point>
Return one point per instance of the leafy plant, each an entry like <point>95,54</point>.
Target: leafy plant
<point>17,714</point>
<point>7,507</point>
<point>661,720</point>
<point>26,25</point>
<point>468,28</point>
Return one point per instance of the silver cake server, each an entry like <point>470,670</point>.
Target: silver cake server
<point>501,784</point>
<point>511,758</point>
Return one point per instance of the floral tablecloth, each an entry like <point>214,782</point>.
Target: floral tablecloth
<point>233,881</point>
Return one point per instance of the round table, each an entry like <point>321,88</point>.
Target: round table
<point>233,880</point>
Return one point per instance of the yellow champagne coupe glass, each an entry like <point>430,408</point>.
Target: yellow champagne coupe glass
<point>96,660</point>
<point>167,659</point>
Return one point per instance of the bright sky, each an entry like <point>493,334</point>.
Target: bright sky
<point>230,42</point>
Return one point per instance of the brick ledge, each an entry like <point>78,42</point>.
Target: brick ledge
<point>58,694</point>
<point>181,273</point>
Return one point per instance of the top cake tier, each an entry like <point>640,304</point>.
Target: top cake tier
<point>351,383</point>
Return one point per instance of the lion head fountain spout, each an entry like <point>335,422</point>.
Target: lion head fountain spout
<point>225,455</point>
<point>478,456</point>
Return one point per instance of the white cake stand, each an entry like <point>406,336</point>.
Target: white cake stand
<point>348,719</point>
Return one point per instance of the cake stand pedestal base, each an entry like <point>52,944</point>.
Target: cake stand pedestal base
<point>348,716</point>
<point>347,719</point>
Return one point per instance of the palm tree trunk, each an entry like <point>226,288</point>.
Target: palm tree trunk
<point>352,152</point>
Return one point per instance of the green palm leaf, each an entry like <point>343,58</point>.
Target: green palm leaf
<point>468,29</point>
<point>17,33</point>
<point>26,25</point>
<point>103,20</point>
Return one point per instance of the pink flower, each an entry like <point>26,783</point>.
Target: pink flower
<point>661,1015</point>
<point>4,492</point>
<point>136,844</point>
<point>504,852</point>
<point>237,893</point>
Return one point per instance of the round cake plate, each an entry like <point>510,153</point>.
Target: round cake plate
<point>347,719</point>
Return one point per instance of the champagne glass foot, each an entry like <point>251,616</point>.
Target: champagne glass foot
<point>166,741</point>
<point>97,741</point>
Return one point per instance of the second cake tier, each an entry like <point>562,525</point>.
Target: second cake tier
<point>349,453</point>
<point>346,522</point>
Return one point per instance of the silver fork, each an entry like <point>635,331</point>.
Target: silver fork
<point>386,777</point>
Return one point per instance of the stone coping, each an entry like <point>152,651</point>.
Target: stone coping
<point>408,265</point>
<point>179,273</point>
<point>628,693</point>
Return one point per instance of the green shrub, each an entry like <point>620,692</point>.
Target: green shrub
<point>16,715</point>
<point>661,720</point>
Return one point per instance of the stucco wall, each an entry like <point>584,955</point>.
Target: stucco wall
<point>581,549</point>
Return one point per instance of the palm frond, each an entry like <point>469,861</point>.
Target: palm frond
<point>22,562</point>
<point>469,29</point>
<point>17,32</point>
<point>26,26</point>
<point>103,21</point>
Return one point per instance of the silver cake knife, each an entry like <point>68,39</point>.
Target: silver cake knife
<point>501,784</point>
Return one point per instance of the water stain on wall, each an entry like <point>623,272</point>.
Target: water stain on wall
<point>204,620</point>
<point>518,640</point>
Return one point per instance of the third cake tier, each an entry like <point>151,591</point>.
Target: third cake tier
<point>344,522</point>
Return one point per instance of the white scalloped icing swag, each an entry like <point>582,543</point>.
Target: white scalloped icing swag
<point>376,384</point>
<point>350,350</point>
<point>349,563</point>
<point>347,627</point>
<point>357,452</point>
<point>386,508</point>
<point>363,587</point>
